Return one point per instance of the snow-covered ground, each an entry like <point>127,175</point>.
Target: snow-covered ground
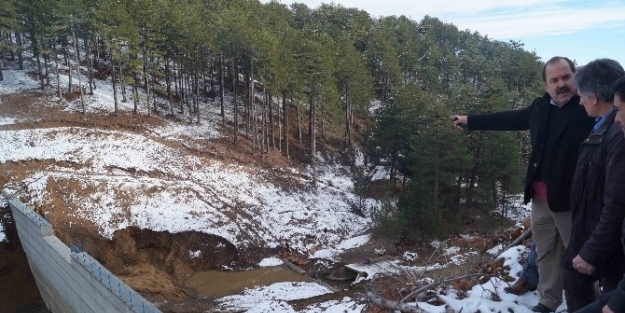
<point>187,192</point>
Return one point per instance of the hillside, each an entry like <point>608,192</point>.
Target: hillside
<point>99,176</point>
<point>157,199</point>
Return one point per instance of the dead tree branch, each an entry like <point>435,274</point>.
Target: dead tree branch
<point>392,305</point>
<point>424,288</point>
<point>516,241</point>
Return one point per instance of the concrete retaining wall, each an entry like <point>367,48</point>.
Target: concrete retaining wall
<point>71,281</point>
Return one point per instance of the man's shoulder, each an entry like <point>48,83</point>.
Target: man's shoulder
<point>614,134</point>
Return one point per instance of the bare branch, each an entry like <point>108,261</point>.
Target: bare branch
<point>392,305</point>
<point>524,235</point>
<point>424,288</point>
<point>430,259</point>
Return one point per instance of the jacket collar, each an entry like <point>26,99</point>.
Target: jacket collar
<point>597,136</point>
<point>568,113</point>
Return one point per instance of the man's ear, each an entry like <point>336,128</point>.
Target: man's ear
<point>594,100</point>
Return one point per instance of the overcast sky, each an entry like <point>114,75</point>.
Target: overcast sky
<point>581,30</point>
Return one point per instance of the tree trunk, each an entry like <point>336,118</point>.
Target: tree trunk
<point>322,122</point>
<point>46,58</point>
<point>82,96</point>
<point>96,59</point>
<point>285,113</point>
<point>58,76</point>
<point>348,124</point>
<point>20,56</point>
<point>145,80</point>
<point>122,82</point>
<point>247,103</point>
<point>436,188</point>
<point>299,121</point>
<point>221,89</point>
<point>212,79</point>
<point>197,93</point>
<point>35,46</point>
<point>235,81</point>
<point>279,126</point>
<point>135,87</point>
<point>472,180</point>
<point>175,79</point>
<point>273,137</point>
<point>313,142</point>
<point>182,91</point>
<point>152,61</point>
<point>114,82</point>
<point>90,56</point>
<point>263,124</point>
<point>188,92</point>
<point>68,64</point>
<point>168,84</point>
<point>253,108</point>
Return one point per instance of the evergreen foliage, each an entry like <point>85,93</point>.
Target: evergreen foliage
<point>329,64</point>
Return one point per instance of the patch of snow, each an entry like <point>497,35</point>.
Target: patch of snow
<point>391,267</point>
<point>380,172</point>
<point>375,106</point>
<point>346,305</point>
<point>431,308</point>
<point>16,81</point>
<point>8,120</point>
<point>410,256</point>
<point>272,298</point>
<point>326,254</point>
<point>267,262</point>
<point>354,242</point>
<point>3,237</point>
<point>496,249</point>
<point>436,243</point>
<point>452,250</point>
<point>460,259</point>
<point>515,210</point>
<point>195,254</point>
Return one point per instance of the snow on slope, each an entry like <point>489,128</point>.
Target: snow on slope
<point>185,192</point>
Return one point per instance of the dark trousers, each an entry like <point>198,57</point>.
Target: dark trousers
<point>580,288</point>
<point>596,306</point>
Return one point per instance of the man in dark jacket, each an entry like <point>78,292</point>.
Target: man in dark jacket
<point>557,125</point>
<point>597,197</point>
<point>610,301</point>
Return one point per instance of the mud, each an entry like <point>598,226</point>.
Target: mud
<point>219,284</point>
<point>18,291</point>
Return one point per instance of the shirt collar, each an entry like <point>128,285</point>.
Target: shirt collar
<point>553,102</point>
<point>601,120</point>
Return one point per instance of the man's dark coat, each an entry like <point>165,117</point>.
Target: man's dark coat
<point>572,128</point>
<point>598,201</point>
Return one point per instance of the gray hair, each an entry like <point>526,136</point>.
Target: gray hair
<point>597,78</point>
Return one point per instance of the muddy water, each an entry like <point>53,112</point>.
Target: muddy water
<point>18,291</point>
<point>219,284</point>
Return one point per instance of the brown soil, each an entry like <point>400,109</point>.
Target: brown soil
<point>155,264</point>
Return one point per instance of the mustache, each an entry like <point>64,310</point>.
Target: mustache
<point>563,89</point>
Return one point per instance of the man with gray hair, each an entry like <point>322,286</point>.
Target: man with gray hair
<point>597,199</point>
